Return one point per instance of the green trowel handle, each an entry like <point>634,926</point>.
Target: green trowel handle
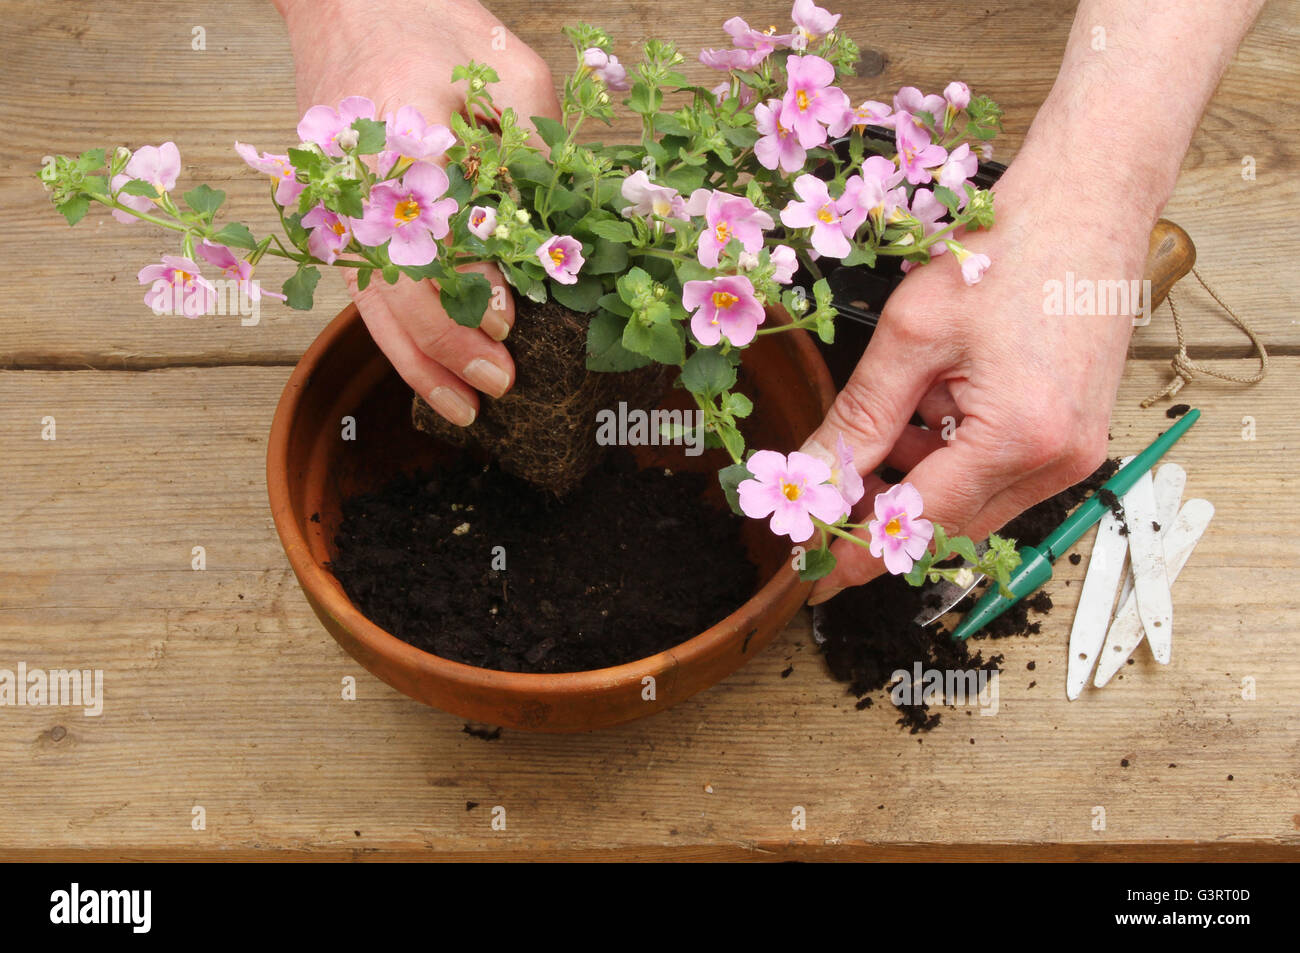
<point>1068,533</point>
<point>1035,569</point>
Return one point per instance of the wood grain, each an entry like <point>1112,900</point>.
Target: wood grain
<point>221,689</point>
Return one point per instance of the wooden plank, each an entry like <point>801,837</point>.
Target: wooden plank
<point>110,75</point>
<point>222,691</point>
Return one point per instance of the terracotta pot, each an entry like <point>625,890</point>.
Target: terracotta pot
<point>311,469</point>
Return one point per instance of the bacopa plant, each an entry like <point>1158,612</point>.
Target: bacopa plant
<point>678,246</point>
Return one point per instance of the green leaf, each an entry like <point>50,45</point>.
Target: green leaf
<point>612,302</point>
<point>235,235</point>
<point>581,296</point>
<point>947,197</point>
<point>467,306</point>
<point>363,278</point>
<point>738,405</point>
<point>613,230</point>
<point>609,258</point>
<point>860,254</point>
<point>963,547</point>
<point>732,439</point>
<point>817,564</point>
<point>205,200</point>
<point>74,209</point>
<point>605,351</point>
<point>552,131</point>
<point>664,342</point>
<point>301,287</point>
<point>708,372</point>
<point>140,187</point>
<point>731,477</point>
<point>90,159</point>
<point>740,136</point>
<point>349,201</point>
<point>457,187</point>
<point>371,136</point>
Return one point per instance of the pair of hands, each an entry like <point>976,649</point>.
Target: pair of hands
<point>1029,394</point>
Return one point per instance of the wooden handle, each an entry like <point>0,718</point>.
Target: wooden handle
<point>1170,255</point>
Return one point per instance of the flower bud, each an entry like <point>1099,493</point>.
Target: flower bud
<point>964,577</point>
<point>476,84</point>
<point>501,231</point>
<point>347,139</point>
<point>603,99</point>
<point>521,216</point>
<point>748,261</point>
<point>123,154</point>
<point>660,290</point>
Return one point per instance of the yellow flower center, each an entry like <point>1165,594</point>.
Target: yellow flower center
<point>826,215</point>
<point>722,232</point>
<point>338,228</point>
<point>893,528</point>
<point>557,256</point>
<point>801,98</point>
<point>406,211</point>
<point>792,491</point>
<point>724,299</point>
<point>184,276</point>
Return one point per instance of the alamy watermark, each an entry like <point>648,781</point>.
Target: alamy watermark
<point>1086,296</point>
<point>54,688</point>
<point>219,296</point>
<point>930,686</point>
<point>651,428</point>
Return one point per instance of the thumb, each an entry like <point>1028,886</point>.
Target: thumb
<point>877,401</point>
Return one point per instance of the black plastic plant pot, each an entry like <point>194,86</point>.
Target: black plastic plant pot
<point>860,292</point>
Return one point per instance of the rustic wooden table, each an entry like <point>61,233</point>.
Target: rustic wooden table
<point>223,693</point>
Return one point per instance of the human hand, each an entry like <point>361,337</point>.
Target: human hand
<point>398,54</point>
<point>1017,401</point>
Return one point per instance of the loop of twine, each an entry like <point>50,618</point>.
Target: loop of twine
<point>1182,363</point>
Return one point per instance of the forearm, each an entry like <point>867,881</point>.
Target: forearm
<point>1134,81</point>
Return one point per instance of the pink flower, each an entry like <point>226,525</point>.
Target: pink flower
<point>482,221</point>
<point>973,264</point>
<point>733,59</point>
<point>928,210</point>
<point>721,307</point>
<point>898,532</point>
<point>287,186</point>
<point>957,95</point>
<point>782,256</point>
<point>411,137</point>
<point>910,100</point>
<point>159,166</point>
<point>747,38</point>
<point>813,21</point>
<point>235,269</point>
<point>726,217</point>
<point>831,229</point>
<point>844,474</point>
<point>648,199</point>
<point>330,233</point>
<point>322,125</point>
<point>916,153</point>
<point>811,103</point>
<point>872,113</point>
<point>408,214</point>
<point>561,256</point>
<point>791,490</point>
<point>177,287</point>
<point>881,170</point>
<point>777,144</point>
<point>607,67</point>
<point>959,167</point>
<point>723,90</point>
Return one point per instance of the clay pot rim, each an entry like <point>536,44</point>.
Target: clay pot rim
<point>324,588</point>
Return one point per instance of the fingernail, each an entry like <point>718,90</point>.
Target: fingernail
<point>452,406</point>
<point>818,598</point>
<point>487,377</point>
<point>495,326</point>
